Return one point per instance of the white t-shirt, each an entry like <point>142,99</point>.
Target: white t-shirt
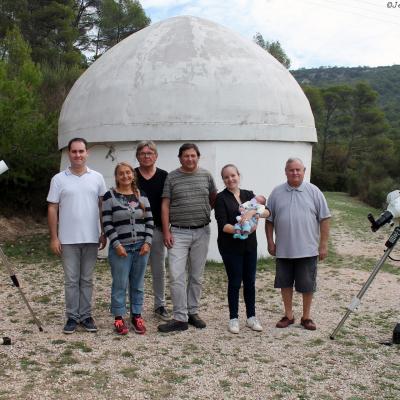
<point>78,205</point>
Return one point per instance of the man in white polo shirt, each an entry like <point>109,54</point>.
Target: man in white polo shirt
<point>74,199</point>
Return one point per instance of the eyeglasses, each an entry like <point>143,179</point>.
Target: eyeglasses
<point>149,154</point>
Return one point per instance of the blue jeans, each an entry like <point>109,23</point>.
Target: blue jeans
<point>241,267</point>
<point>127,270</point>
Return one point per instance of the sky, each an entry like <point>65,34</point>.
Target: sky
<point>313,33</point>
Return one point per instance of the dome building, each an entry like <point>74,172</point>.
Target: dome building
<point>187,79</point>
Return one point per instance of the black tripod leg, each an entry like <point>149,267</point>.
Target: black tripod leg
<point>5,340</point>
<point>16,284</point>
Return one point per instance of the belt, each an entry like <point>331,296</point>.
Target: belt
<point>190,227</point>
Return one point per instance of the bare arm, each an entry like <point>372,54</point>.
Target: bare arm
<point>149,228</point>
<point>168,238</point>
<point>212,198</point>
<point>251,213</point>
<point>269,231</point>
<point>324,235</point>
<point>103,237</point>
<point>52,221</point>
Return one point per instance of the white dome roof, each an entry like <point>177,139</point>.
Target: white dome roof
<point>187,79</point>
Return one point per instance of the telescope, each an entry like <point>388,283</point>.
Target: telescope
<point>392,211</point>
<point>391,214</point>
<point>3,167</point>
<point>7,264</point>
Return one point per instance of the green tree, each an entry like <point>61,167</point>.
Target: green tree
<point>48,27</point>
<point>368,121</point>
<point>273,48</point>
<point>27,135</point>
<point>117,20</point>
<point>330,106</point>
<point>370,152</point>
<point>86,21</point>
<point>354,152</point>
<point>10,14</point>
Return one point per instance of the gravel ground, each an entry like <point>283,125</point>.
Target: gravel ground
<point>212,363</point>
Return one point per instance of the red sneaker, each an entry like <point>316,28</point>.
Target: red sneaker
<point>138,325</point>
<point>120,327</point>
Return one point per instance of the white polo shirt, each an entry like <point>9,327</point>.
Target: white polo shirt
<point>78,205</point>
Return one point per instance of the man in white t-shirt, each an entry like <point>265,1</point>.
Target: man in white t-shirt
<point>74,201</point>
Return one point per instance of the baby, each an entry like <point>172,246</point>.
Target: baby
<point>242,230</point>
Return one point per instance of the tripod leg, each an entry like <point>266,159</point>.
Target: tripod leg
<point>340,324</point>
<point>357,299</point>
<point>5,340</point>
<point>16,284</point>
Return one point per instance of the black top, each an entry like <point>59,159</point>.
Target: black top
<point>226,211</point>
<point>153,188</point>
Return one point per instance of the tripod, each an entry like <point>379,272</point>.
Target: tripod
<point>16,284</point>
<point>390,243</point>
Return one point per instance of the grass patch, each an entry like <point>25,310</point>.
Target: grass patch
<point>100,380</point>
<point>225,384</point>
<point>80,372</point>
<point>129,372</point>
<point>65,358</point>
<point>82,346</point>
<point>315,342</point>
<point>282,387</point>
<point>127,354</point>
<point>29,365</point>
<point>58,341</point>
<point>44,299</point>
<point>266,264</point>
<point>351,213</point>
<point>171,376</point>
<point>34,248</point>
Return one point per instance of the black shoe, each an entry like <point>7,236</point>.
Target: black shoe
<point>196,321</point>
<point>172,326</point>
<point>162,313</point>
<point>70,326</point>
<point>89,324</point>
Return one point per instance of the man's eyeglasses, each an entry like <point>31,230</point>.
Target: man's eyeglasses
<point>149,154</point>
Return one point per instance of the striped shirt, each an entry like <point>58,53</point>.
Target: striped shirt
<point>124,221</point>
<point>189,195</point>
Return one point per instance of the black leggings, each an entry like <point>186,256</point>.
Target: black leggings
<point>241,268</point>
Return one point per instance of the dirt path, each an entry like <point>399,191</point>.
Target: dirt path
<point>204,364</point>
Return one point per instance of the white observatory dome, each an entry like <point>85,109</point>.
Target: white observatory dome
<point>186,79</point>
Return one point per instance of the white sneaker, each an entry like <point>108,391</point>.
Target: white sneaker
<point>233,325</point>
<point>253,323</point>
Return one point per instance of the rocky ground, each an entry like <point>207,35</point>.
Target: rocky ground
<point>211,363</point>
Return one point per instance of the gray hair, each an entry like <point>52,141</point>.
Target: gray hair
<point>294,159</point>
<point>146,143</point>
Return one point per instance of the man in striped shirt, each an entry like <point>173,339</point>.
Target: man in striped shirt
<point>188,197</point>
